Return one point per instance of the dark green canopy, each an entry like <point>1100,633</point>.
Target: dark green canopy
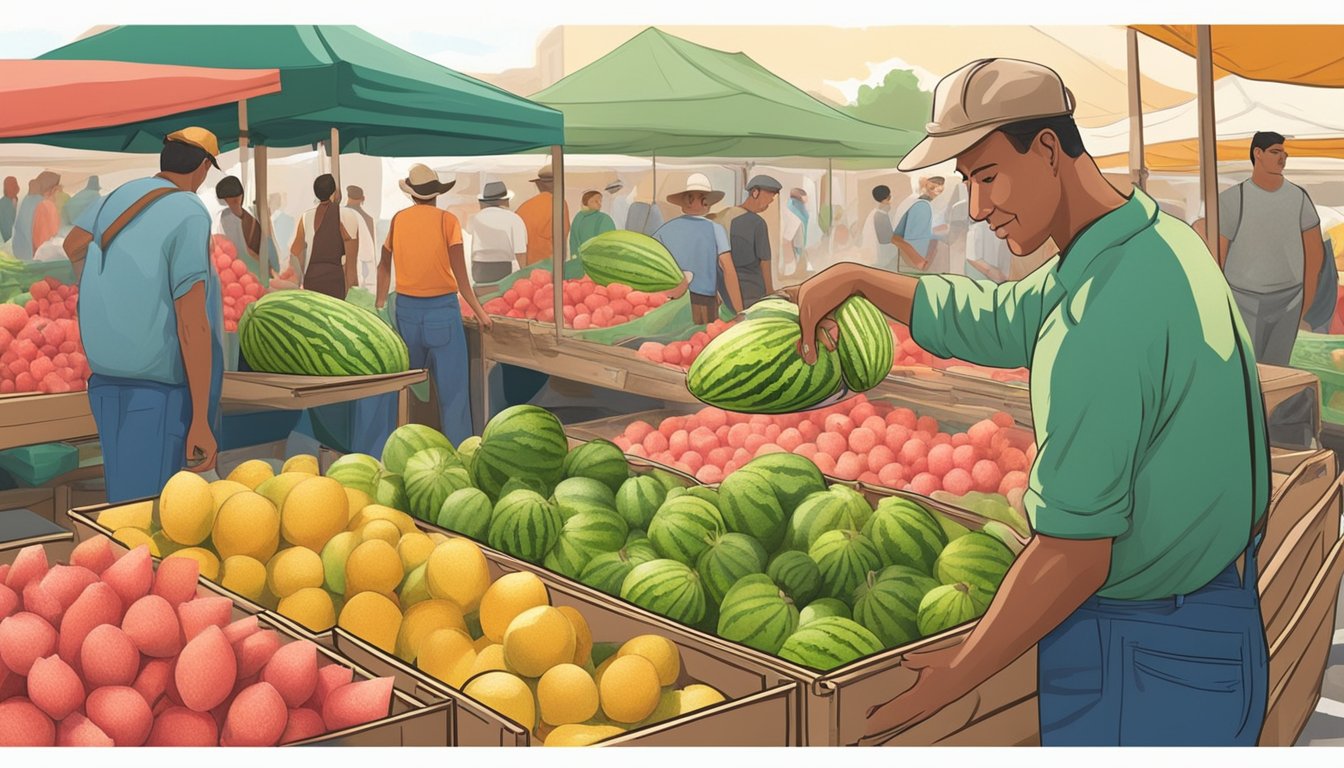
<point>660,95</point>
<point>385,101</point>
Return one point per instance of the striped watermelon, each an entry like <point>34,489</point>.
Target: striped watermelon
<point>312,334</point>
<point>684,527</point>
<point>638,537</point>
<point>667,479</point>
<point>639,499</point>
<point>521,442</point>
<point>947,606</point>
<point>821,608</point>
<point>667,588</point>
<point>524,525</point>
<point>749,505</point>
<point>630,258</point>
<point>466,451</point>
<point>431,476</point>
<point>466,511</point>
<point>772,307</point>
<point>708,494</point>
<point>837,508</point>
<point>758,614</point>
<point>829,642</point>
<point>391,492</point>
<point>796,574</point>
<point>607,572</point>
<point>793,477</point>
<point>599,460</point>
<point>866,348</point>
<point>731,557</point>
<point>906,534</point>
<point>410,439</point>
<point>977,560</point>
<point>584,490</point>
<point>887,603</point>
<point>583,537</point>
<point>844,558</point>
<point>356,470</point>
<point>754,367</point>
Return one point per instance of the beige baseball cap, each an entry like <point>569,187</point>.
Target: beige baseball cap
<point>982,97</point>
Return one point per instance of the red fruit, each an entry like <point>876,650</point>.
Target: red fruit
<point>892,476</point>
<point>40,290</point>
<point>22,724</point>
<point>99,604</point>
<point>904,417</point>
<point>637,431</point>
<point>789,439</point>
<point>108,657</point>
<point>710,474</point>
<point>738,434</point>
<point>693,461</point>
<point>79,731</point>
<point>9,600</point>
<point>987,476</point>
<point>357,703</point>
<point>12,318</point>
<point>152,682</point>
<point>960,439</point>
<point>180,727</point>
<point>206,671</point>
<point>880,456</point>
<point>655,442</point>
<point>256,718</point>
<point>1003,420</point>
<point>239,268</point>
<point>720,457</point>
<point>965,457</point>
<point>1013,481</point>
<point>833,444</point>
<point>840,424</point>
<point>958,482</point>
<point>132,575</point>
<point>925,484</point>
<point>941,459</point>
<point>982,434</point>
<point>703,440</point>
<point>122,714</point>
<point>152,625</point>
<point>254,651</point>
<point>24,638</point>
<point>1013,460</point>
<point>94,553</point>
<point>768,448</point>
<point>809,431</point>
<point>942,438</point>
<point>896,437</point>
<point>807,451</point>
<point>848,467</point>
<point>862,440</point>
<point>329,678</point>
<point>175,580</point>
<point>913,450</point>
<point>753,443</point>
<point>292,671</point>
<point>825,462</point>
<point>41,368</point>
<point>54,687</point>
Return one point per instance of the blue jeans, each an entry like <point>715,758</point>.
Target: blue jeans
<point>432,330</point>
<point>1184,671</point>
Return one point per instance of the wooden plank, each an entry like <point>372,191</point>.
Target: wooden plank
<point>270,391</point>
<point>37,418</point>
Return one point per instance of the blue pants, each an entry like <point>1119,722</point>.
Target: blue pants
<point>432,330</point>
<point>1184,671</point>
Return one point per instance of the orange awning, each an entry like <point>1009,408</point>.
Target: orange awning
<point>45,97</point>
<point>1306,54</point>
<point>1183,156</point>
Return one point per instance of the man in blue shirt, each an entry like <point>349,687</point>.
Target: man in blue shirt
<point>701,248</point>
<point>150,315</point>
<point>913,235</point>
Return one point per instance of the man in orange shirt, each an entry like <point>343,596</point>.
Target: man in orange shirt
<point>537,214</point>
<point>47,217</point>
<point>426,244</point>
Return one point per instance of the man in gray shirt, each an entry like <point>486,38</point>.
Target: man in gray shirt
<point>888,256</point>
<point>1270,249</point>
<point>749,241</point>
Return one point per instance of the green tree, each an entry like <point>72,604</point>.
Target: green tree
<point>897,102</point>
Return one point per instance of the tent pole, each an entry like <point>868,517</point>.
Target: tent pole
<point>242,145</point>
<point>1137,173</point>
<point>830,206</point>
<point>1208,140</point>
<point>653,193</point>
<point>335,146</point>
<point>558,236</point>
<point>264,218</point>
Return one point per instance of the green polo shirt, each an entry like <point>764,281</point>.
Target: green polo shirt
<point>1149,421</point>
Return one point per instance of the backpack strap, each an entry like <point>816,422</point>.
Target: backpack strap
<point>131,213</point>
<point>1241,206</point>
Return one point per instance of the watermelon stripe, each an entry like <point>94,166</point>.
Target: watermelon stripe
<point>866,347</point>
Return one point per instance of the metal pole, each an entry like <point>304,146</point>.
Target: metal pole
<point>653,194</point>
<point>558,236</point>
<point>264,217</point>
<point>1208,139</point>
<point>242,146</point>
<point>1137,172</point>
<point>335,146</point>
<point>830,206</point>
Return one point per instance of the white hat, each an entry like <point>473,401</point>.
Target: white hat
<point>698,182</point>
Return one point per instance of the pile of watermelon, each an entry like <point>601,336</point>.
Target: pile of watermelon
<point>854,440</point>
<point>682,353</point>
<point>240,286</point>
<point>586,304</point>
<point>39,342</point>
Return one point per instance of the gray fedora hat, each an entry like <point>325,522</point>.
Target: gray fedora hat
<point>768,183</point>
<point>495,191</point>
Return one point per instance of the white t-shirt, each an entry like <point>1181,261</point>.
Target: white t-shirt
<point>789,224</point>
<point>497,235</point>
<point>352,223</point>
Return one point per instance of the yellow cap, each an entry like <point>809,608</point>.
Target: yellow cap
<point>200,138</point>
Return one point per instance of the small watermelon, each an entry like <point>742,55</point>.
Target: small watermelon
<point>431,477</point>
<point>866,348</point>
<point>667,479</point>
<point>466,511</point>
<point>906,534</point>
<point>639,499</point>
<point>758,614</point>
<point>754,367</point>
<point>599,460</point>
<point>792,477</point>
<point>947,606</point>
<point>667,588</point>
<point>583,537</point>
<point>525,484</point>
<point>391,492</point>
<point>749,505</point>
<point>684,527</point>
<point>821,608</point>
<point>774,307</point>
<point>796,574</point>
<point>887,603</point>
<point>837,508</point>
<point>585,490</point>
<point>522,441</point>
<point>356,470</point>
<point>708,494</point>
<point>977,560</point>
<point>466,452</point>
<point>844,559</point>
<point>524,525</point>
<point>606,573</point>
<point>408,440</point>
<point>731,557</point>
<point>829,642</point>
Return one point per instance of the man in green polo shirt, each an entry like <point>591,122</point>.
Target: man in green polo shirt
<point>1152,477</point>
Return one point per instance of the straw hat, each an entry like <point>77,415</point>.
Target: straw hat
<point>545,174</point>
<point>422,183</point>
<point>698,182</point>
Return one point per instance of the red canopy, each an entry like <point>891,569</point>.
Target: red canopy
<point>44,97</point>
